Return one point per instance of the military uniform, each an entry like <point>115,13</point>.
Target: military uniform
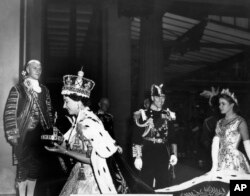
<point>154,144</point>
<point>152,140</point>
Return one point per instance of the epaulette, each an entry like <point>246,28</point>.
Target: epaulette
<point>170,115</point>
<point>142,113</point>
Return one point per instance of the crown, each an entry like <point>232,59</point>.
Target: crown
<point>227,92</point>
<point>156,90</point>
<point>78,85</point>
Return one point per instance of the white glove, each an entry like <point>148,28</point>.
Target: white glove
<point>138,163</point>
<point>247,147</point>
<point>215,150</point>
<point>173,160</point>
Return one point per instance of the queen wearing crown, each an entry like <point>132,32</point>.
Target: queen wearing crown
<point>228,162</point>
<point>99,168</point>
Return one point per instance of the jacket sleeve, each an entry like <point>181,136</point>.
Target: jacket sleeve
<point>141,117</point>
<point>137,140</point>
<point>10,115</point>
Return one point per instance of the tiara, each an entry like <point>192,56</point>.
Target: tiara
<point>78,85</point>
<point>227,92</point>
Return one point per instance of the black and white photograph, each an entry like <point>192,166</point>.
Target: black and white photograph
<point>124,97</point>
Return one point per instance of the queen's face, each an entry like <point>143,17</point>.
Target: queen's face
<point>158,101</point>
<point>70,105</point>
<point>225,106</point>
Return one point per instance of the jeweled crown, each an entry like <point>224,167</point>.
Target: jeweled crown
<point>227,92</point>
<point>78,85</point>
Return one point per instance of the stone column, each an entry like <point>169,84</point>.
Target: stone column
<point>116,67</point>
<point>151,52</point>
<point>9,62</point>
<point>33,30</point>
<point>92,54</point>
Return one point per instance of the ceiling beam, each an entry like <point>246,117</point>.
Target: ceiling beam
<point>186,62</point>
<point>168,44</point>
<point>234,27</point>
<point>225,46</point>
<point>198,9</point>
<point>216,2</point>
<point>219,66</point>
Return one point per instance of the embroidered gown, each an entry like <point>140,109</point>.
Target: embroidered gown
<point>81,179</point>
<point>232,164</point>
<point>107,173</point>
<point>230,158</point>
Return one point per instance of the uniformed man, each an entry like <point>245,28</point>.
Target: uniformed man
<point>155,150</point>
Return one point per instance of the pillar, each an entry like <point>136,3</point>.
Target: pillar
<point>31,43</point>
<point>116,68</point>
<point>151,52</point>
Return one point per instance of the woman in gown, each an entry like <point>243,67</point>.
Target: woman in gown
<point>228,162</point>
<point>98,168</point>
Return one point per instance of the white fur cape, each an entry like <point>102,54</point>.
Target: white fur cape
<point>103,147</point>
